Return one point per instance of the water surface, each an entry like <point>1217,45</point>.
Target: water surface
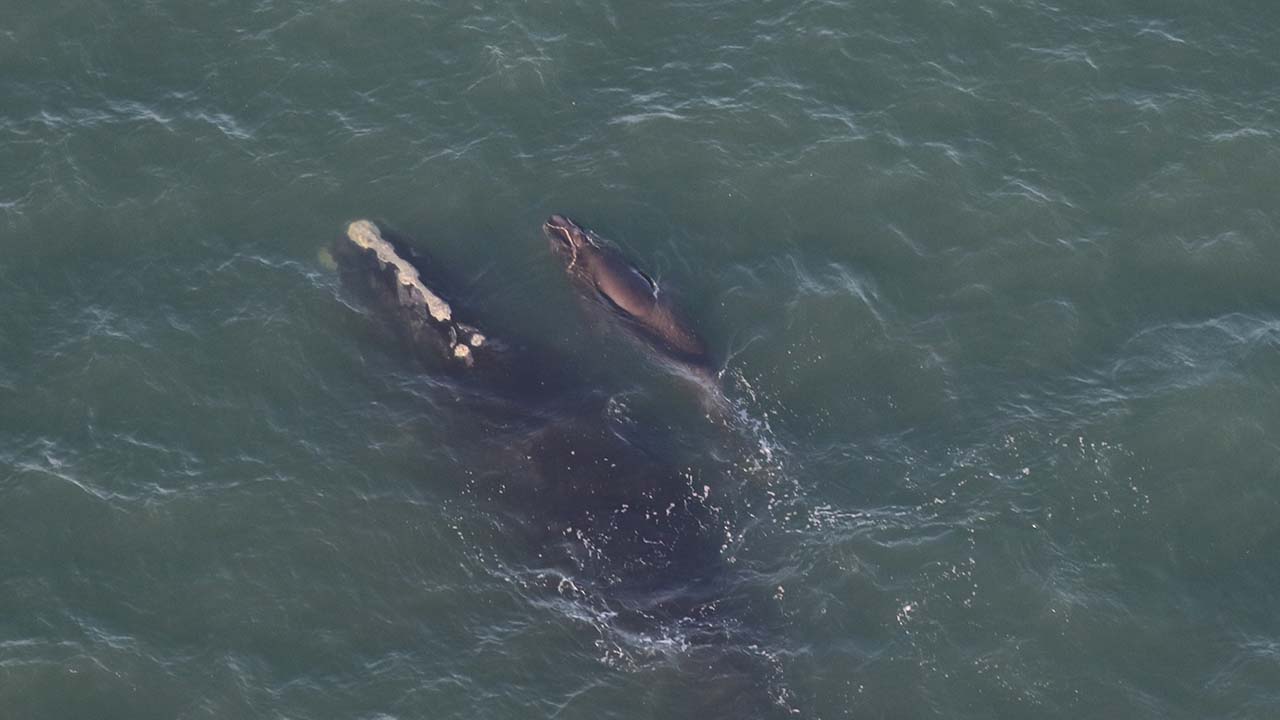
<point>995,284</point>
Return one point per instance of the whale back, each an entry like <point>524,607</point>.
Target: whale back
<point>624,285</point>
<point>637,297</point>
<point>601,272</point>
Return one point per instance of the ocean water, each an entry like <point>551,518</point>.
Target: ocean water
<point>993,285</point>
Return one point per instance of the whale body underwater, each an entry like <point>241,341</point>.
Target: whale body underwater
<point>600,507</point>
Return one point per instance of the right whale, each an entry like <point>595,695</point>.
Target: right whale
<point>607,520</point>
<point>601,272</point>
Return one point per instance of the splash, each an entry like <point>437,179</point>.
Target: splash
<point>746,415</point>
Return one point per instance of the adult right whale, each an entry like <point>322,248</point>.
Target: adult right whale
<point>600,271</point>
<point>600,518</point>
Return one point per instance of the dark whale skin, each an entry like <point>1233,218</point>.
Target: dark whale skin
<point>600,271</point>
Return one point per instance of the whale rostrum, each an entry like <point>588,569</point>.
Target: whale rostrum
<point>460,338</point>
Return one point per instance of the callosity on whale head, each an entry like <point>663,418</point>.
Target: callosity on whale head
<point>567,238</point>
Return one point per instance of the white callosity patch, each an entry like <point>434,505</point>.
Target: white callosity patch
<point>474,337</point>
<point>366,235</point>
<point>462,338</point>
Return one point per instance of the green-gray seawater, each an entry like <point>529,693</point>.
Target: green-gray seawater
<point>994,283</point>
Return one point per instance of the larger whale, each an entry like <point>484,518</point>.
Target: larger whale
<point>615,510</point>
<point>612,523</point>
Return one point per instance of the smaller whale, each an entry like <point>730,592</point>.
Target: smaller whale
<point>600,271</point>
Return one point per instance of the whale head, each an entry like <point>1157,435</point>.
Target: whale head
<point>567,238</point>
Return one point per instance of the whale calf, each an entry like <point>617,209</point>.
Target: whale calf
<point>600,271</point>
